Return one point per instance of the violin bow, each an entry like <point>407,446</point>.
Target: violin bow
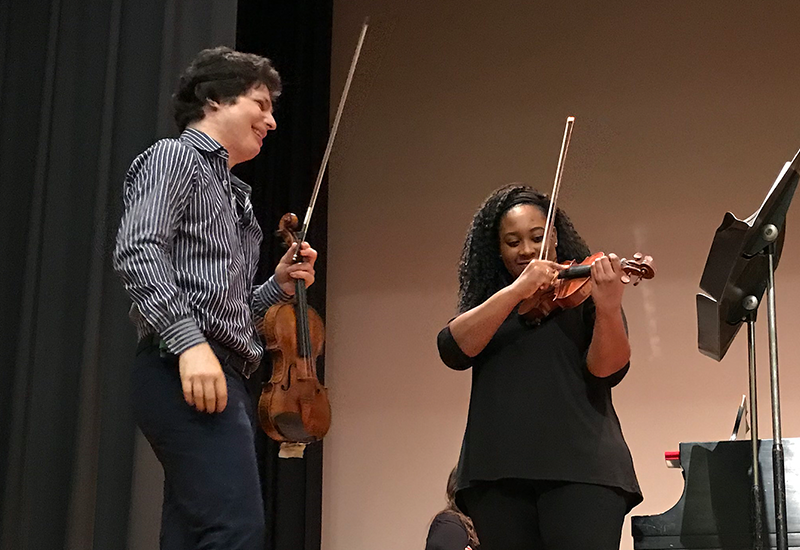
<point>551,212</point>
<point>301,235</point>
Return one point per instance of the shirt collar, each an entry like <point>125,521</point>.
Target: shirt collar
<point>203,142</point>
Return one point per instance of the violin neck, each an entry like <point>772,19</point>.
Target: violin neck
<point>301,314</point>
<point>575,272</point>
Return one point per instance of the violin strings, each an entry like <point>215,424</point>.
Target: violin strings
<point>306,337</point>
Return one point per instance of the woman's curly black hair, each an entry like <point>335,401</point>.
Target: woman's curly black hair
<point>481,271</point>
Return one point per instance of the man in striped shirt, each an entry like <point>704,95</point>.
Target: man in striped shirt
<point>187,252</point>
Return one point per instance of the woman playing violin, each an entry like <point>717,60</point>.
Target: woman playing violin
<point>543,462</point>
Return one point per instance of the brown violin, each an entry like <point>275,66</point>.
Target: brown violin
<point>574,285</point>
<point>294,405</point>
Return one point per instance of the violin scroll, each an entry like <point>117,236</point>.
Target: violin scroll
<point>288,226</point>
<point>640,267</point>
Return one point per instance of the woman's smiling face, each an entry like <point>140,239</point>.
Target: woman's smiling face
<point>521,233</point>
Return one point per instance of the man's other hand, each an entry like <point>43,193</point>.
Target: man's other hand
<point>202,379</point>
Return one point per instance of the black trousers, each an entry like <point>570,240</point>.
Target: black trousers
<point>515,514</point>
<point>212,492</point>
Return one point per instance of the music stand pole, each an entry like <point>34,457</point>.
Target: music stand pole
<point>750,304</point>
<point>770,233</point>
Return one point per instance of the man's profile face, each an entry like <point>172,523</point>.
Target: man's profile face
<point>242,125</point>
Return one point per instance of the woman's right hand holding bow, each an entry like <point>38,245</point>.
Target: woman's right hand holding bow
<point>538,276</point>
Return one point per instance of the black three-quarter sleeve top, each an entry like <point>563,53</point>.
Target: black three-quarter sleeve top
<point>536,412</point>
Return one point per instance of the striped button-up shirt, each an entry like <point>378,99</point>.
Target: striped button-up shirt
<point>187,249</point>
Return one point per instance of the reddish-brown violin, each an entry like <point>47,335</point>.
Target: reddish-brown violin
<point>574,284</point>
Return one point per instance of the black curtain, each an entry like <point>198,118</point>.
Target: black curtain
<point>84,87</point>
<point>296,36</point>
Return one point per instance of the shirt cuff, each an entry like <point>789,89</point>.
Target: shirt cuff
<point>182,335</point>
<point>269,294</point>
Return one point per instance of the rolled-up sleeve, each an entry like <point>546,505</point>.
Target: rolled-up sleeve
<point>589,315</point>
<point>158,187</point>
<point>450,353</point>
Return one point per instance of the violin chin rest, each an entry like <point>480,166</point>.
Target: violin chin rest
<point>290,425</point>
<point>310,423</point>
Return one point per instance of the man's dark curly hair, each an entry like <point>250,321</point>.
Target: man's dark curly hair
<point>481,271</point>
<point>220,74</point>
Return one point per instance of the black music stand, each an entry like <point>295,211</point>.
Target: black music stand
<point>740,266</point>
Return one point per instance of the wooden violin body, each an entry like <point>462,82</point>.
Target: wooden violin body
<point>294,405</point>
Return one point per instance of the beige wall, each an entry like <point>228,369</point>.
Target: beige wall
<point>684,110</point>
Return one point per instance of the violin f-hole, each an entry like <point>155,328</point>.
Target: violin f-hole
<point>288,377</point>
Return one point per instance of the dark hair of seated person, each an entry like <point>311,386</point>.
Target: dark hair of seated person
<point>451,529</point>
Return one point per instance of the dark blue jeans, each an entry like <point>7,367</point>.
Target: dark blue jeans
<point>212,492</point>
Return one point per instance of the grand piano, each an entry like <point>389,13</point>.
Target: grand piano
<point>714,512</point>
<point>721,507</point>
